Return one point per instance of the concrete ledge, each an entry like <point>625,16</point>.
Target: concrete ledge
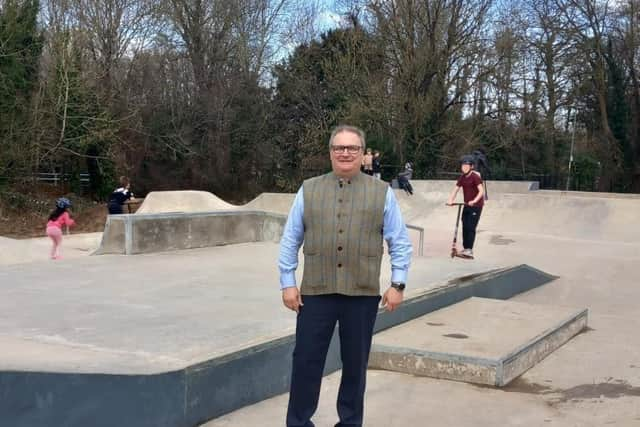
<point>489,341</point>
<point>148,233</point>
<point>210,388</point>
<point>431,364</point>
<point>522,359</point>
<point>159,232</point>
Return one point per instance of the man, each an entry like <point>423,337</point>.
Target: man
<point>473,191</point>
<point>342,218</point>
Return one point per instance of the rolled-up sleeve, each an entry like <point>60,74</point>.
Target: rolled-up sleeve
<point>395,233</point>
<point>292,238</point>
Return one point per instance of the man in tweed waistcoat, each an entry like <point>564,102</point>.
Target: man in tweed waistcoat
<point>342,218</point>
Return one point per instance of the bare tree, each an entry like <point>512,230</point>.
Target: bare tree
<point>431,47</point>
<point>552,53</point>
<point>588,23</point>
<point>112,30</point>
<point>628,34</point>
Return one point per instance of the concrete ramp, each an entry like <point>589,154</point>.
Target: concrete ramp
<point>182,201</point>
<point>203,201</point>
<point>582,218</point>
<point>545,213</point>
<point>479,340</point>
<point>512,208</point>
<point>445,186</point>
<point>591,194</point>
<point>272,202</point>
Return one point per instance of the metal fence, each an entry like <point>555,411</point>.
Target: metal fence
<point>56,178</point>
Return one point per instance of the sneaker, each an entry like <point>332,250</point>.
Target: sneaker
<point>467,253</point>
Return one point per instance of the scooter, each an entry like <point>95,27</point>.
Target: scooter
<point>454,248</point>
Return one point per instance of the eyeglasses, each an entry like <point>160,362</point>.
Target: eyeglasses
<point>351,149</point>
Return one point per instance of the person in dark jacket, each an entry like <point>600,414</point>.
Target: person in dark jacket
<point>119,196</point>
<point>481,167</point>
<point>377,165</point>
<point>404,177</point>
<point>480,162</point>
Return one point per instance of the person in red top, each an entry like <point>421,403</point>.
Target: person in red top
<point>473,192</point>
<point>59,217</point>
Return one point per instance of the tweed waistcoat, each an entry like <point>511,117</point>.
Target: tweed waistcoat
<point>343,222</point>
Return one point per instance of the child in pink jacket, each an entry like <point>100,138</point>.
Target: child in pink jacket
<point>59,217</point>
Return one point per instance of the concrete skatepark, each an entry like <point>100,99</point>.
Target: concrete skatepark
<point>163,319</point>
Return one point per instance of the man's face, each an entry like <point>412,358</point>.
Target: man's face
<point>347,159</point>
<point>466,168</point>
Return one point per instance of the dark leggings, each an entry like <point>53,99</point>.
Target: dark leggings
<point>470,218</point>
<point>115,208</point>
<point>405,185</point>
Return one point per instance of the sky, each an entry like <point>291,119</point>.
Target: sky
<point>328,18</point>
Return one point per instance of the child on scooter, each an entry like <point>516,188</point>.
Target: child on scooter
<point>473,192</point>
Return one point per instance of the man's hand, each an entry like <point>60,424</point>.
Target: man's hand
<point>391,299</point>
<point>450,202</point>
<point>472,203</point>
<point>292,298</point>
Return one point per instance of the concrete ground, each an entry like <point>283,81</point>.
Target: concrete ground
<point>177,308</point>
<point>593,380</point>
<point>21,251</point>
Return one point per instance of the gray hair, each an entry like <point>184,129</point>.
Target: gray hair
<point>347,128</point>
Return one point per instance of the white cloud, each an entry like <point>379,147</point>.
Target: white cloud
<point>328,20</point>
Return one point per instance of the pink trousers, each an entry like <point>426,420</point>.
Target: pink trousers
<point>55,234</point>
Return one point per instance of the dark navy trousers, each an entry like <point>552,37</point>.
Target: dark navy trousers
<point>316,321</point>
<point>470,219</point>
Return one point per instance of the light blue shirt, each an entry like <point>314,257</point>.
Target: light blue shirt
<point>394,232</point>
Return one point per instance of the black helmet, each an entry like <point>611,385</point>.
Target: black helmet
<point>467,159</point>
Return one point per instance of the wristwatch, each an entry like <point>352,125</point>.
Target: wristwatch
<point>398,286</point>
